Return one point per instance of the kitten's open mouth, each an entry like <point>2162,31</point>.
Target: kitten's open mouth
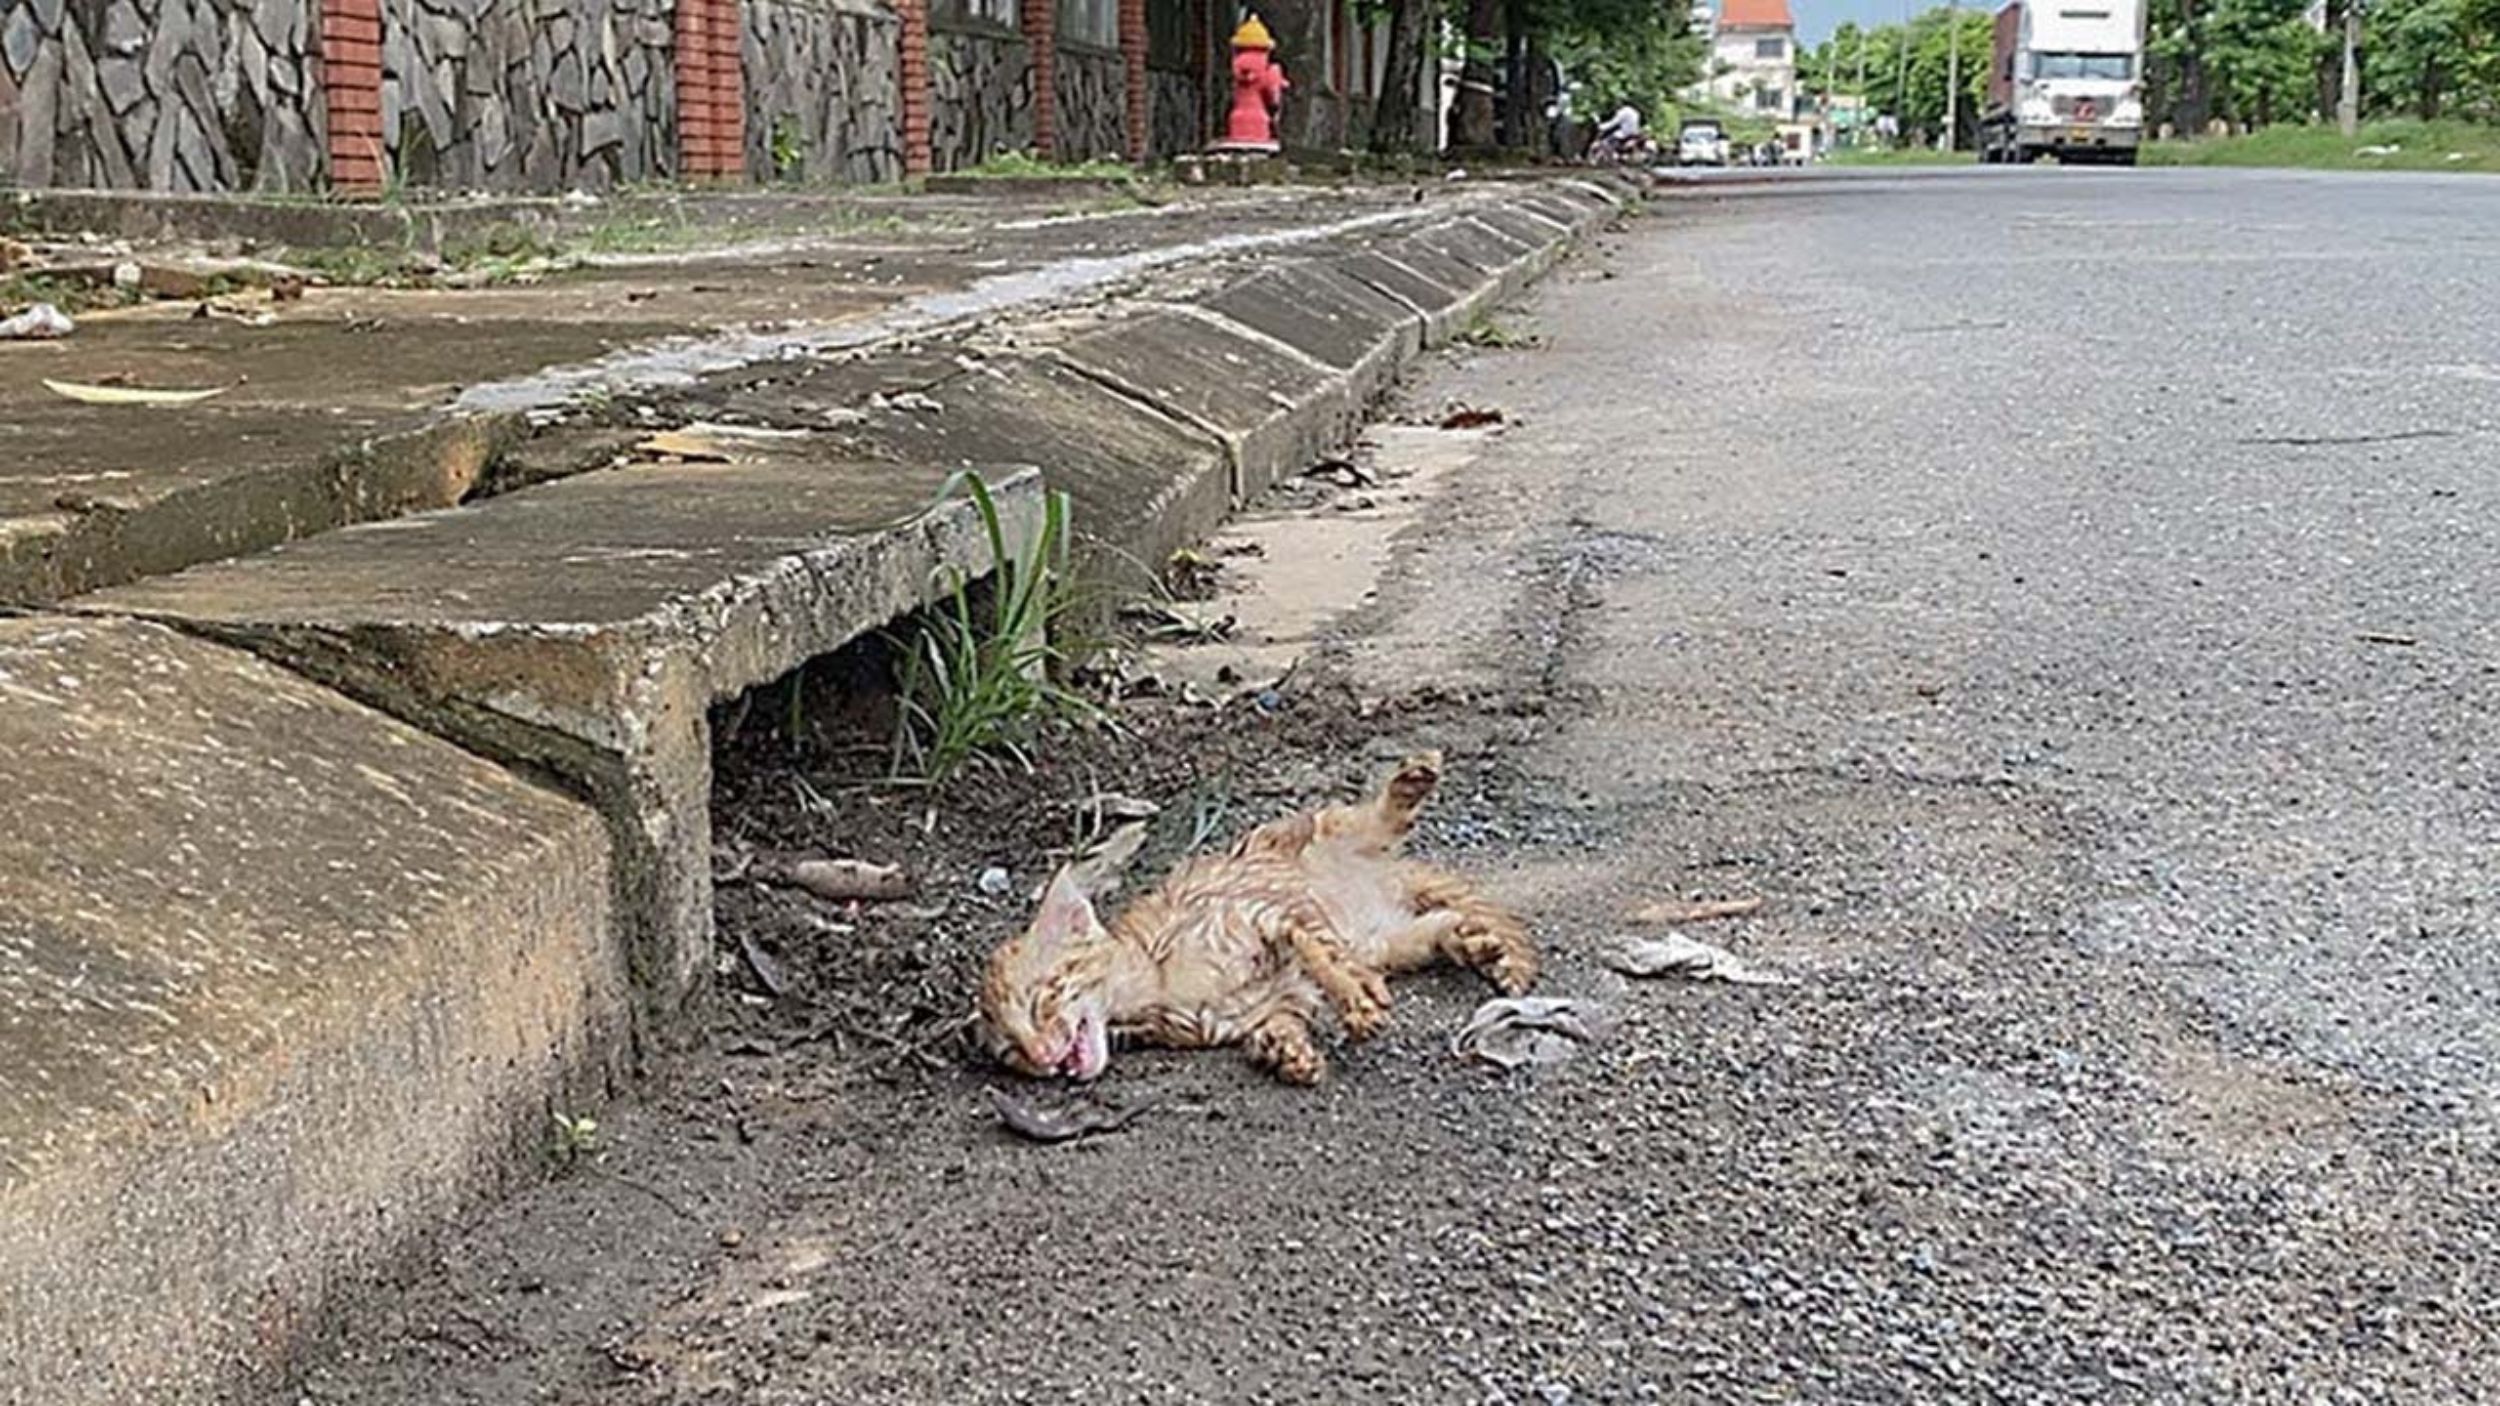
<point>1089,1049</point>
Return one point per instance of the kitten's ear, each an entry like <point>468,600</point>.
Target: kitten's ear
<point>1067,914</point>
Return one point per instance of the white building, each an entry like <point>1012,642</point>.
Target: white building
<point>1753,58</point>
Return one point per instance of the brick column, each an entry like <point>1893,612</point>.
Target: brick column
<point>917,160</point>
<point>1133,56</point>
<point>1041,39</point>
<point>711,91</point>
<point>351,92</point>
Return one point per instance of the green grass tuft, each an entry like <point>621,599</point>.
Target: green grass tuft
<point>2420,146</point>
<point>980,677</point>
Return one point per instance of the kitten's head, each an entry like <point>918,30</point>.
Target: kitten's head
<point>1043,1011</point>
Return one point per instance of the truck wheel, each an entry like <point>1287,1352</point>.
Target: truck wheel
<point>2123,158</point>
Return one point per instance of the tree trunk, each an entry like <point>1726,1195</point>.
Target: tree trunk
<point>2194,108</point>
<point>1515,97</point>
<point>1471,118</point>
<point>1398,124</point>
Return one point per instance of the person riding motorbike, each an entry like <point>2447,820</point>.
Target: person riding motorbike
<point>1618,137</point>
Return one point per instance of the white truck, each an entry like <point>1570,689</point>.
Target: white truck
<point>2066,79</point>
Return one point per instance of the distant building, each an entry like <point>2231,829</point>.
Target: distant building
<point>1753,58</point>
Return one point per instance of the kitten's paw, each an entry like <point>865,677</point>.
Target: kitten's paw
<point>1287,1053</point>
<point>1365,1010</point>
<point>1514,972</point>
<point>1304,1066</point>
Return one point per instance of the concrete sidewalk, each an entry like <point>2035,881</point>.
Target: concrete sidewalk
<point>357,403</point>
<point>287,917</point>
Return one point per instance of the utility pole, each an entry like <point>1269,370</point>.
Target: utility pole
<point>1857,127</point>
<point>1901,80</point>
<point>1953,75</point>
<point>2348,102</point>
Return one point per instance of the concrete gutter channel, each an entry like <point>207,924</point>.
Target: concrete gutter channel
<point>334,870</point>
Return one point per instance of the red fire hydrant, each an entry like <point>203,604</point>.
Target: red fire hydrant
<point>1258,88</point>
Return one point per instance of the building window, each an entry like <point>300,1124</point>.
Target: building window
<point>1000,13</point>
<point>1768,99</point>
<point>1770,48</point>
<point>1093,23</point>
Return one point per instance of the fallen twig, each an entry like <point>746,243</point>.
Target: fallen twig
<point>1706,910</point>
<point>839,880</point>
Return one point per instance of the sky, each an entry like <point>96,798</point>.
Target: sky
<point>1816,19</point>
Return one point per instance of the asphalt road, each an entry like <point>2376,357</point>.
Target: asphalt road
<point>2069,599</point>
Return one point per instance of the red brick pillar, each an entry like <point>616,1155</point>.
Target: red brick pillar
<point>711,91</point>
<point>1133,58</point>
<point>351,91</point>
<point>914,66</point>
<point>1041,37</point>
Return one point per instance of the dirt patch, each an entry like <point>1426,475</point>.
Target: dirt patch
<point>882,985</point>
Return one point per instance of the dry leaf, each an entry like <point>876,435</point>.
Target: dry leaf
<point>128,395</point>
<point>682,444</point>
<point>1467,417</point>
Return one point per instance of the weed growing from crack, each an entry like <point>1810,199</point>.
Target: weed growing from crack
<point>1491,333</point>
<point>983,673</point>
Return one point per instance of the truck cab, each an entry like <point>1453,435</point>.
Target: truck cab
<point>2066,81</point>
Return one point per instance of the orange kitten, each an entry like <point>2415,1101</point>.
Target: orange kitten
<point>1247,947</point>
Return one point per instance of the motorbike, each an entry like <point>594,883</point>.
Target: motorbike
<point>1636,150</point>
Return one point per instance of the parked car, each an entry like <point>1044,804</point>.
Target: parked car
<point>1700,141</point>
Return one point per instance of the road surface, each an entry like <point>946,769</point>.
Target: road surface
<point>2072,601</point>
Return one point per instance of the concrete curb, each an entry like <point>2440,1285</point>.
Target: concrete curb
<point>580,631</point>
<point>282,982</point>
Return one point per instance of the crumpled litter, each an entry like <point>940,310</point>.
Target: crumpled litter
<point>40,322</point>
<point>1513,1032</point>
<point>1678,955</point>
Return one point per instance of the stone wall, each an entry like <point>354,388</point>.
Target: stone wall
<point>176,95</point>
<point>528,94</point>
<point>1174,124</point>
<point>824,90</point>
<point>1092,85</point>
<point>980,94</point>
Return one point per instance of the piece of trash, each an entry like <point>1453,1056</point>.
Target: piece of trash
<point>1062,1125</point>
<point>1514,1032</point>
<point>249,317</point>
<point>715,429</point>
<point>2374,637</point>
<point>1706,910</point>
<point>129,395</point>
<point>1468,417</point>
<point>2375,149</point>
<point>836,879</point>
<point>39,323</point>
<point>128,276</point>
<point>1678,955</point>
<point>683,445</point>
<point>1104,807</point>
<point>994,881</point>
<point>286,288</point>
